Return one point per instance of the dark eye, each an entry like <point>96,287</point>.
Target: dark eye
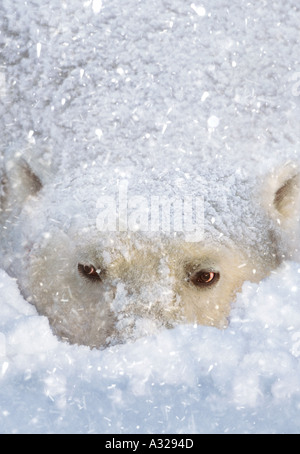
<point>89,271</point>
<point>204,278</point>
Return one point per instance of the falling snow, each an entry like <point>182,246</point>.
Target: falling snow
<point>158,82</point>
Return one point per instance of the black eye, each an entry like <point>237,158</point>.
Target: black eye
<point>89,271</point>
<point>204,278</point>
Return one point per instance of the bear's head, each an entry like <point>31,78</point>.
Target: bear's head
<point>102,276</point>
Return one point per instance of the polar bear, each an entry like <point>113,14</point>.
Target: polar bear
<point>99,287</point>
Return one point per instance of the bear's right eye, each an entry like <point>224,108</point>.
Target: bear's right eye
<point>89,271</point>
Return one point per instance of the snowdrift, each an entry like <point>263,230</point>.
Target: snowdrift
<point>187,380</point>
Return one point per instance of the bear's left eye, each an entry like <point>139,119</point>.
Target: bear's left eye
<point>89,271</point>
<point>204,278</point>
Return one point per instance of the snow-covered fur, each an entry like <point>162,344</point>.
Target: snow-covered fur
<point>102,99</point>
<point>99,287</point>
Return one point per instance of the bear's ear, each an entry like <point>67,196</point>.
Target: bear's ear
<point>282,195</point>
<point>18,182</point>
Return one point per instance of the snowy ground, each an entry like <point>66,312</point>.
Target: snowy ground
<point>219,76</point>
<point>187,380</point>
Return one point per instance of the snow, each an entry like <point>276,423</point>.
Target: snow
<point>191,379</point>
<point>213,121</point>
<point>152,82</point>
<point>200,10</point>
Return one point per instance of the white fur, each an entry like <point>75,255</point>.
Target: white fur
<point>145,279</point>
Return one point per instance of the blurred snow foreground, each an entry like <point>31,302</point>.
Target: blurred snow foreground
<point>191,379</point>
<point>217,76</point>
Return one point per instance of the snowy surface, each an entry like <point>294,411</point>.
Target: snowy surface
<point>187,380</point>
<point>156,82</point>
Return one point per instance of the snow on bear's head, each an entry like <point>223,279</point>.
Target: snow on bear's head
<point>87,252</point>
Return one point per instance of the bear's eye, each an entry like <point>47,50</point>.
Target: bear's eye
<point>89,271</point>
<point>204,278</point>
